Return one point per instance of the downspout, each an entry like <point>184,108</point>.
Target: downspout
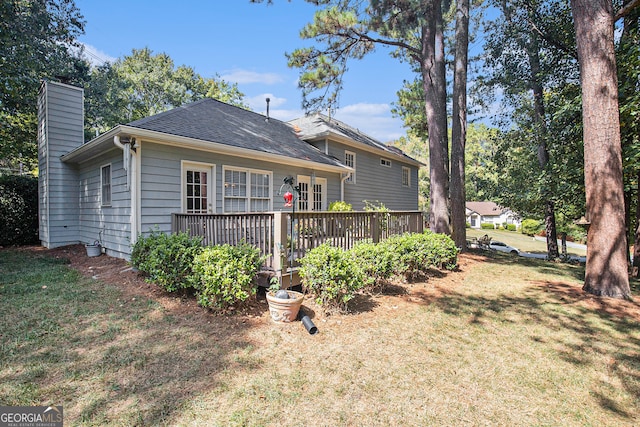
<point>134,192</point>
<point>343,179</point>
<point>126,145</point>
<point>126,156</point>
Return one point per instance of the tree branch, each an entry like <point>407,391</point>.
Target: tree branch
<point>553,41</point>
<point>389,42</point>
<point>626,9</point>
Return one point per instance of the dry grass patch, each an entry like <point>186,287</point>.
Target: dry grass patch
<point>503,341</point>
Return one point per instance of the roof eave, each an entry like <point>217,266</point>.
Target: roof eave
<point>82,153</point>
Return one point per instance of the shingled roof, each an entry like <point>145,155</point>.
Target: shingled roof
<point>214,121</point>
<point>319,125</point>
<point>485,208</point>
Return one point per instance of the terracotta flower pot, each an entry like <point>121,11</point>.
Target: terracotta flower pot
<point>285,310</point>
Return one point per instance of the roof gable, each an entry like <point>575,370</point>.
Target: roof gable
<point>318,125</point>
<point>214,121</point>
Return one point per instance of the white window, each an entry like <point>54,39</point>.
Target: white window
<point>313,193</point>
<point>385,162</point>
<point>105,185</point>
<point>406,176</point>
<point>197,187</point>
<point>350,160</point>
<point>247,190</point>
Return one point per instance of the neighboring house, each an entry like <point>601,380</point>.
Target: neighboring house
<point>489,212</point>
<point>204,157</point>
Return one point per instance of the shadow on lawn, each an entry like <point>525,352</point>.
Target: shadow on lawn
<point>600,328</point>
<point>105,356</point>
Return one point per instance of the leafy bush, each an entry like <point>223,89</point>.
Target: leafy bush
<point>374,206</point>
<point>375,260</point>
<point>224,275</point>
<point>340,206</point>
<point>487,226</point>
<point>530,227</point>
<point>511,227</point>
<point>331,275</point>
<point>166,258</point>
<point>414,254</point>
<point>18,210</point>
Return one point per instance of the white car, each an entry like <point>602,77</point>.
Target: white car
<point>503,247</point>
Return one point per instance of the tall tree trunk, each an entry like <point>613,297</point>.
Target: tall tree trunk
<point>459,127</point>
<point>533,52</point>
<point>636,242</point>
<point>606,271</point>
<point>434,84</point>
<point>629,38</point>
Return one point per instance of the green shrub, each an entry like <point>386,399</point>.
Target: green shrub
<point>331,275</point>
<point>340,206</point>
<point>224,275</point>
<point>18,210</point>
<point>376,262</point>
<point>511,227</point>
<point>487,226</point>
<point>166,258</point>
<point>374,206</point>
<point>414,254</point>
<point>530,227</point>
<point>576,233</point>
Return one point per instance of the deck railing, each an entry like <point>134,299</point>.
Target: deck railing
<point>275,235</point>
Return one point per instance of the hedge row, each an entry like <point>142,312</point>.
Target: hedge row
<point>18,210</point>
<point>222,276</point>
<point>333,275</point>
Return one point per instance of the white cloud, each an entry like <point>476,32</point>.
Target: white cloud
<point>245,76</point>
<point>374,120</point>
<point>96,56</point>
<point>259,102</point>
<point>364,108</point>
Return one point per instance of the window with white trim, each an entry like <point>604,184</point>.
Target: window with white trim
<point>105,185</point>
<point>197,187</point>
<point>385,162</point>
<point>246,190</point>
<point>350,160</point>
<point>406,177</point>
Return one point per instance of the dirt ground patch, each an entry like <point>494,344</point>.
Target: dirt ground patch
<point>118,272</point>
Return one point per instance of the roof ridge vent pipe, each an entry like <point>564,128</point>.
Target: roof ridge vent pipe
<point>268,101</point>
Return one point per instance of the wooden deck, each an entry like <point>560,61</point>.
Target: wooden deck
<point>274,233</point>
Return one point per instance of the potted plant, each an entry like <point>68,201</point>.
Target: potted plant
<point>284,304</point>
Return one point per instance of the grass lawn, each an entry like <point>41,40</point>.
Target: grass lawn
<point>505,341</point>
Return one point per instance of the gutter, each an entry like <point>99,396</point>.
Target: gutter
<point>78,155</point>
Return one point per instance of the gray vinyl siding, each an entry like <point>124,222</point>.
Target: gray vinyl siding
<point>160,186</point>
<point>375,182</point>
<point>60,129</point>
<point>109,224</point>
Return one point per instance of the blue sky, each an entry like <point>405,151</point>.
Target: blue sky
<point>244,43</point>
